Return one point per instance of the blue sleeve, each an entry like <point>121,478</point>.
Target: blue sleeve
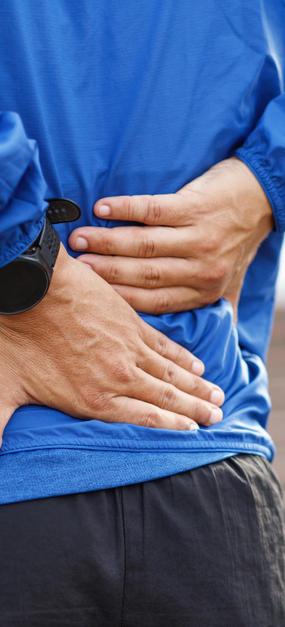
<point>22,189</point>
<point>264,153</point>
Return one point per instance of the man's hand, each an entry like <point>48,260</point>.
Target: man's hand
<point>196,247</point>
<point>83,350</point>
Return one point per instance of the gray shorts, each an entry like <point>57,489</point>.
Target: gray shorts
<point>203,548</point>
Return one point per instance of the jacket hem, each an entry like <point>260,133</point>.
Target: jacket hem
<point>53,473</point>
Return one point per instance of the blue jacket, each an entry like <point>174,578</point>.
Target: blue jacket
<point>108,98</point>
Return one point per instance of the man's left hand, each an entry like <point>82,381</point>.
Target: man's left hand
<point>195,248</point>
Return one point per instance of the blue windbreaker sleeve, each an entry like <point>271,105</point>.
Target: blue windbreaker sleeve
<point>22,189</point>
<point>264,153</point>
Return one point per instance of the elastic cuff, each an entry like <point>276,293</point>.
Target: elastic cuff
<point>269,186</point>
<point>18,247</point>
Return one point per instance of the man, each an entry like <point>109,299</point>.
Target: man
<point>132,107</point>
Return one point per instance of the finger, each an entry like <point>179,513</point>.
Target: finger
<point>148,415</point>
<point>164,346</point>
<point>168,397</point>
<point>159,209</point>
<point>137,241</point>
<point>160,300</point>
<point>168,371</point>
<point>147,273</point>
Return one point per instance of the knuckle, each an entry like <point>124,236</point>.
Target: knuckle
<point>161,303</point>
<point>183,424</point>
<point>178,353</point>
<point>161,345</point>
<point>151,275</point>
<point>212,296</point>
<point>168,397</point>
<point>202,412</point>
<point>218,271</point>
<point>212,290</point>
<point>200,388</point>
<point>205,276</point>
<point>150,419</point>
<point>106,244</point>
<point>122,373</point>
<point>206,247</point>
<point>196,386</point>
<point>112,273</point>
<point>204,299</point>
<point>195,410</point>
<point>153,210</point>
<point>214,272</point>
<point>209,244</point>
<point>129,202</point>
<point>146,247</point>
<point>95,400</point>
<point>169,374</point>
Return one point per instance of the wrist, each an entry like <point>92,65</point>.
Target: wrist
<point>61,267</point>
<point>58,281</point>
<point>256,197</point>
<point>25,281</point>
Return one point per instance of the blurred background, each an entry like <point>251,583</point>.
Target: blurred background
<point>276,366</point>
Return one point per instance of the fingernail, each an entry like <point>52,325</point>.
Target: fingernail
<point>198,367</point>
<point>81,243</point>
<point>216,416</point>
<point>103,210</point>
<point>217,397</point>
<point>193,427</point>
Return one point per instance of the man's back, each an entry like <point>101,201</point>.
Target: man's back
<point>136,98</point>
<point>125,101</point>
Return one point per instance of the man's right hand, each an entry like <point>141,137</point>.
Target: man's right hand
<point>84,351</point>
